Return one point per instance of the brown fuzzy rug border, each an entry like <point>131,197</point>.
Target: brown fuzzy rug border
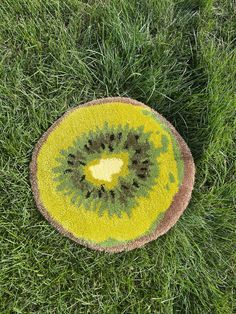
<point>179,203</point>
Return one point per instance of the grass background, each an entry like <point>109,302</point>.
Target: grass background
<point>180,58</point>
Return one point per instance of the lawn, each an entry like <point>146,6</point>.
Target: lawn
<point>179,57</point>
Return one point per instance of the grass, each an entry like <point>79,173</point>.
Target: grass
<point>180,58</point>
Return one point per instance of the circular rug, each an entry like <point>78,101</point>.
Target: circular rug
<point>112,174</point>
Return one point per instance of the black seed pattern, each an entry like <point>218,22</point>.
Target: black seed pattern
<point>88,194</point>
<point>82,178</point>
<point>95,144</point>
<point>87,148</point>
<point>110,148</point>
<point>142,176</point>
<point>68,171</point>
<point>112,193</point>
<point>114,142</point>
<point>135,184</point>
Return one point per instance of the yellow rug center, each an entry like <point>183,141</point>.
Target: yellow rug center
<point>106,168</point>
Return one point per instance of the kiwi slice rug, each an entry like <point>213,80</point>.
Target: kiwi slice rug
<point>112,174</point>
